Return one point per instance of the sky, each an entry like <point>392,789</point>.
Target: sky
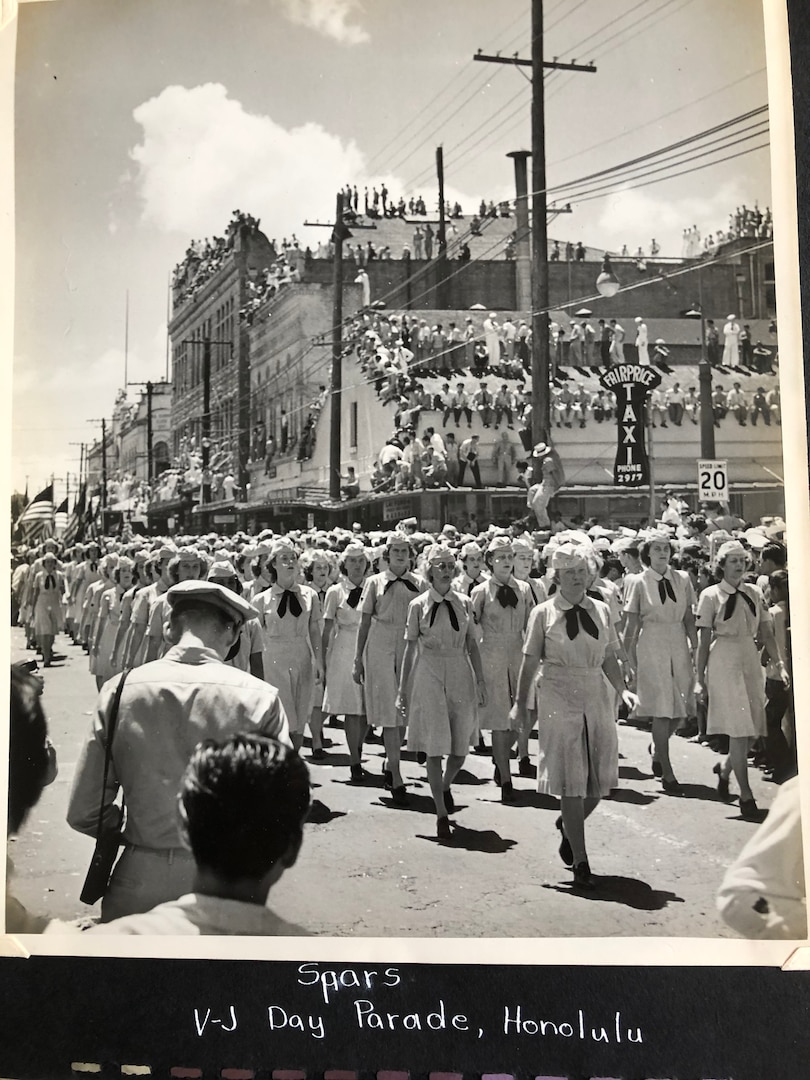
<point>142,124</point>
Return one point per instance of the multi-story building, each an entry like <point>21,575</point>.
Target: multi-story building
<point>210,347</point>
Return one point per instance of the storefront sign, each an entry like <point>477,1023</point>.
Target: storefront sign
<point>631,383</point>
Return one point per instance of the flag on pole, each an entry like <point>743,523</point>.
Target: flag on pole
<point>74,530</point>
<point>36,520</point>
<point>60,518</point>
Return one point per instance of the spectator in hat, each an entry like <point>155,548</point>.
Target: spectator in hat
<point>242,807</point>
<point>468,457</point>
<point>731,337</point>
<point>166,708</point>
<point>552,479</point>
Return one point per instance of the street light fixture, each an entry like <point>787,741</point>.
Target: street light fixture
<point>707,450</point>
<point>607,283</point>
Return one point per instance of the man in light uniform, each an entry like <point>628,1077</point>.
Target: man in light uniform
<point>166,709</point>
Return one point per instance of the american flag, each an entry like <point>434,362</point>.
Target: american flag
<point>60,518</point>
<point>36,520</point>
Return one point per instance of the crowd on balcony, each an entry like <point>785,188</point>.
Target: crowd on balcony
<point>744,223</point>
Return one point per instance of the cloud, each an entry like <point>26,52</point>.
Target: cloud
<point>635,217</point>
<point>202,154</point>
<point>328,17</point>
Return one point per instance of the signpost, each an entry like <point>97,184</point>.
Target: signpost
<point>712,481</point>
<point>631,383</point>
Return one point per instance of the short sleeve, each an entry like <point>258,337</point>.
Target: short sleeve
<point>254,637</point>
<point>477,600</point>
<point>316,612</point>
<point>706,611</point>
<point>632,597</point>
<point>332,602</point>
<point>156,620</point>
<point>140,610</point>
<point>412,625</point>
<point>535,634</point>
<point>368,599</point>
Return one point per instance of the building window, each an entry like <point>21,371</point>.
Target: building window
<point>353,425</point>
<point>769,287</point>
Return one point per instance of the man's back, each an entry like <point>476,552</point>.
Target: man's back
<point>167,707</point>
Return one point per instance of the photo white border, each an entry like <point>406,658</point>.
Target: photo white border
<point>656,951</point>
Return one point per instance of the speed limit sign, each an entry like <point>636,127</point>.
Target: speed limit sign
<point>713,481</point>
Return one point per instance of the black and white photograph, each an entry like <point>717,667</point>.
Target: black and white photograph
<point>408,490</point>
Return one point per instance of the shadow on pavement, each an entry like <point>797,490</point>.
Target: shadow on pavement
<point>698,791</point>
<point>631,892</point>
<point>486,841</point>
<point>420,804</point>
<point>330,759</point>
<point>630,772</point>
<point>627,795</point>
<point>526,797</point>
<point>320,814</point>
<point>466,777</point>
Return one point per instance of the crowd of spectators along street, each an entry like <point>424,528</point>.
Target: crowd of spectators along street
<point>204,258</point>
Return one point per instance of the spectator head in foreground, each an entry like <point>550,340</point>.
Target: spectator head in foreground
<point>32,761</point>
<point>243,804</point>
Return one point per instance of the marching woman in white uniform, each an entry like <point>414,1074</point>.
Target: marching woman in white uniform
<point>659,604</point>
<point>730,615</point>
<point>441,680</point>
<point>572,637</point>
<point>501,607</point>
<point>48,615</point>
<point>380,648</point>
<point>341,623</point>
<point>290,616</point>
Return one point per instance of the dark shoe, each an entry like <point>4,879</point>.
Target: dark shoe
<point>449,803</point>
<point>526,769</point>
<point>566,854</point>
<point>358,774</point>
<point>399,796</point>
<point>421,757</point>
<point>749,810</point>
<point>318,754</point>
<point>582,875</point>
<point>481,748</point>
<point>671,787</point>
<point>722,783</point>
<point>508,793</point>
<point>388,780</point>
<point>443,830</point>
<point>656,765</point>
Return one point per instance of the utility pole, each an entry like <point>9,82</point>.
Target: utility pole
<point>150,386</point>
<point>103,423</point>
<point>541,398</point>
<point>340,233</point>
<point>441,239</point>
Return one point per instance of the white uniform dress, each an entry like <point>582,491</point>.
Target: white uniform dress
<point>442,697</point>
<point>109,609</point>
<point>578,750</point>
<point>48,614</point>
<point>286,652</point>
<point>502,629</point>
<point>386,598</point>
<point>665,675</point>
<point>734,676</point>
<point>343,695</point>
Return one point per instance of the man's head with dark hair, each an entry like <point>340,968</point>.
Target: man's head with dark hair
<point>243,803</point>
<point>31,759</point>
<point>773,556</point>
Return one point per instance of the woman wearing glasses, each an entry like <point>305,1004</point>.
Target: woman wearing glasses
<point>290,615</point>
<point>572,641</point>
<point>441,680</point>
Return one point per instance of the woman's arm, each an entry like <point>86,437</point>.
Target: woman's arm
<point>691,629</point>
<point>315,641</point>
<point>526,676</point>
<point>358,674</point>
<point>478,669</point>
<point>770,642</point>
<point>631,629</point>
<point>328,625</point>
<point>408,664</point>
<point>611,668</point>
<point>704,641</point>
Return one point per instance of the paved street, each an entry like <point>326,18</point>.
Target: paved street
<point>370,869</point>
